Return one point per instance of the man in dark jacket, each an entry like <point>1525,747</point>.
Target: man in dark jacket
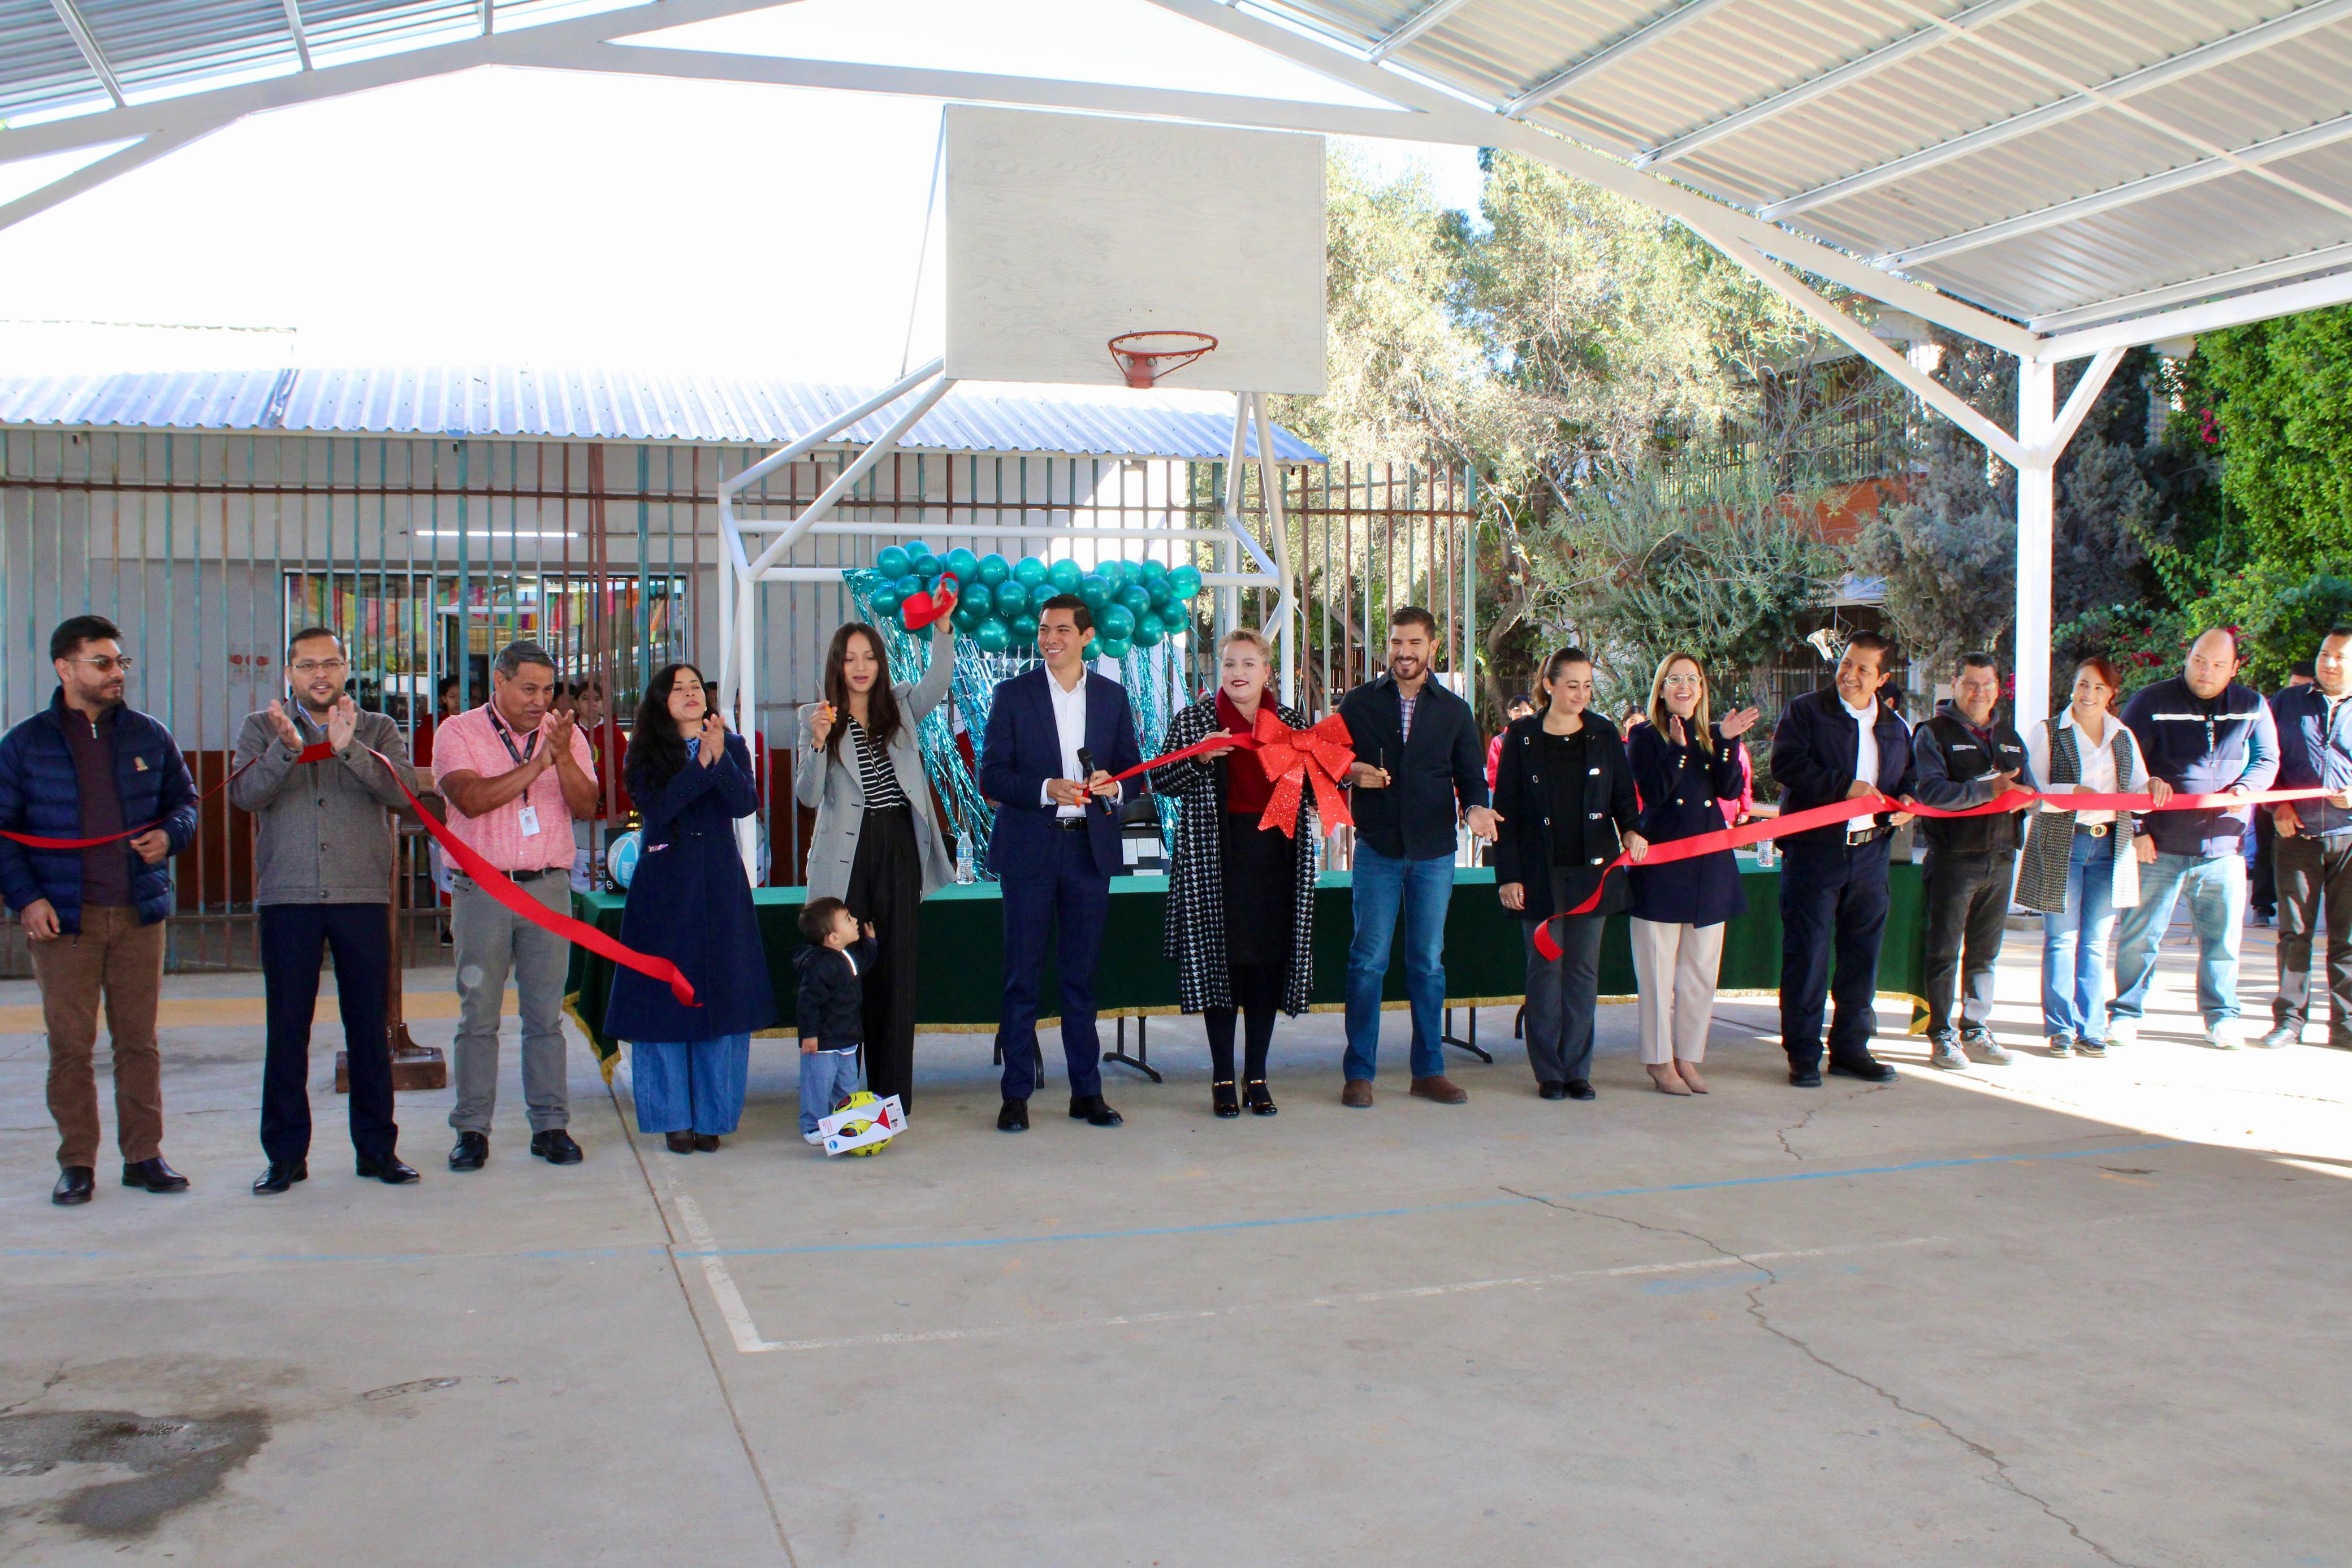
<point>1964,756</point>
<point>1418,770</point>
<point>2204,734</point>
<point>1843,744</point>
<point>89,768</point>
<point>2313,850</point>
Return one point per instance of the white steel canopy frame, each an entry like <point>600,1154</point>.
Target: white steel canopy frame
<point>2159,112</point>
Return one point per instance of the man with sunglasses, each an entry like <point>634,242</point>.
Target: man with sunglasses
<point>89,766</point>
<point>323,852</point>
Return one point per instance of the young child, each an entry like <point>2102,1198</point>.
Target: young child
<point>832,1008</point>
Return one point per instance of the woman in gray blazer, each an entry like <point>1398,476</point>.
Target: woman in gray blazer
<point>878,846</point>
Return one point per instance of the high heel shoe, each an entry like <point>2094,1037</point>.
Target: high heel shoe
<point>1668,1080</point>
<point>1688,1072</point>
<point>1222,1093</point>
<point>1261,1101</point>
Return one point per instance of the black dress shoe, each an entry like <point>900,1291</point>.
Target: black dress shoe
<point>1578,1089</point>
<point>152,1175</point>
<point>76,1183</point>
<point>387,1169</point>
<point>556,1147</point>
<point>706,1143</point>
<point>1867,1067</point>
<point>1221,1098</point>
<point>1094,1112</point>
<point>1014,1117</point>
<point>280,1177</point>
<point>1260,1099</point>
<point>680,1142</point>
<point>1807,1077</point>
<point>471,1152</point>
<point>1550,1090</point>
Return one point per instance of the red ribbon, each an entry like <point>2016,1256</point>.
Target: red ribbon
<point>491,879</point>
<point>1870,805</point>
<point>316,753</point>
<point>1293,759</point>
<point>921,609</point>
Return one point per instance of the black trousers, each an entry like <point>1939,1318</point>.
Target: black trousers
<point>360,937</point>
<point>1833,902</point>
<point>2264,894</point>
<point>2315,878</point>
<point>1257,996</point>
<point>1968,915</point>
<point>885,886</point>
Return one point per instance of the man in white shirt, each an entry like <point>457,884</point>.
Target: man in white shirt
<point>1055,737</point>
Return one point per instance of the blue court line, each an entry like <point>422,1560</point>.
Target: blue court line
<point>218,1258</point>
<point>1397,1213</point>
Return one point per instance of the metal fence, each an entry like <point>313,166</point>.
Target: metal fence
<point>429,554</point>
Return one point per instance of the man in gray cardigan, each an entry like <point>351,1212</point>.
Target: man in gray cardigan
<point>322,877</point>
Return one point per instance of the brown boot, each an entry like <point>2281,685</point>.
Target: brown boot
<point>1439,1088</point>
<point>1358,1094</point>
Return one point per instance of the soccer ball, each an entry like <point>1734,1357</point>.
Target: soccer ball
<point>864,1112</point>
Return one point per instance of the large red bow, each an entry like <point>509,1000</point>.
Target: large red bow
<point>1294,758</point>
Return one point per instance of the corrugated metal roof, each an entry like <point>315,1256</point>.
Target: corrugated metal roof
<point>1883,126</point>
<point>615,405</point>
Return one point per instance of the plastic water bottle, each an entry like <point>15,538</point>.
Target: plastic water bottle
<point>965,871</point>
<point>1765,857</point>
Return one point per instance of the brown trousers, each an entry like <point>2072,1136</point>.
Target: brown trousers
<point>123,960</point>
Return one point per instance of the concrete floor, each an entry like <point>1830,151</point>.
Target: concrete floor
<point>2071,1312</point>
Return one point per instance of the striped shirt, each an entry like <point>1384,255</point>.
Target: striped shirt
<point>875,774</point>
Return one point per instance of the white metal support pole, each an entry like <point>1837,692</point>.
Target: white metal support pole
<point>1269,484</point>
<point>1229,600</point>
<point>2037,424</point>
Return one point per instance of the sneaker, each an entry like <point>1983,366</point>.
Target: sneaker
<point>2090,1047</point>
<point>1979,1043</point>
<point>2061,1045</point>
<point>2122,1032</point>
<point>2279,1037</point>
<point>812,1137</point>
<point>2225,1034</point>
<point>1947,1055</point>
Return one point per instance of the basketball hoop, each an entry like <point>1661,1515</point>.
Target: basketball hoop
<point>1144,357</point>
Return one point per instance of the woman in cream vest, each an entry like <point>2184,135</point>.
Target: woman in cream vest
<point>878,846</point>
<point>2079,867</point>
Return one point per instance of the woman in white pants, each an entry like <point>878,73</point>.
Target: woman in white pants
<point>1685,768</point>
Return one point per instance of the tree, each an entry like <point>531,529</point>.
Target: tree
<point>1641,568</point>
<point>2283,391</point>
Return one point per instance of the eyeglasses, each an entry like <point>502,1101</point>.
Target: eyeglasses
<point>104,665</point>
<point>1680,681</point>
<point>320,666</point>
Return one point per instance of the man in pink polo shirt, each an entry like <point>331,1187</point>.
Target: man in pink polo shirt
<point>514,775</point>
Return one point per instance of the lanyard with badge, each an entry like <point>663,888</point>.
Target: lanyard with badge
<point>528,814</point>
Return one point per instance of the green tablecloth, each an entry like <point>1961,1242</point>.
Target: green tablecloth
<point>963,950</point>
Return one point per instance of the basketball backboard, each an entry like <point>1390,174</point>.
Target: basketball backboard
<point>1066,230</point>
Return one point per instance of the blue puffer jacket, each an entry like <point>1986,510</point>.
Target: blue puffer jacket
<point>39,794</point>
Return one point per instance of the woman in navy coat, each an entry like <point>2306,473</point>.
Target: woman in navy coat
<point>690,903</point>
<point>1685,768</point>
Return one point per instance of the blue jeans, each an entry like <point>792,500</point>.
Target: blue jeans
<point>827,1078</point>
<point>2216,886</point>
<point>689,1086</point>
<point>1420,889</point>
<point>2075,945</point>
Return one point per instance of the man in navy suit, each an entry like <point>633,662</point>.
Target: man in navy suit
<point>1843,744</point>
<point>1055,848</point>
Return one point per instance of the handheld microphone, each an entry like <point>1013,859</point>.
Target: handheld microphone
<point>1087,767</point>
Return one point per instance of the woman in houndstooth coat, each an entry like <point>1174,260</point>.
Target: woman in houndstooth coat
<point>1241,905</point>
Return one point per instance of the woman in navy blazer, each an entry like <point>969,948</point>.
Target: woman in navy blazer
<point>690,903</point>
<point>1686,768</point>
